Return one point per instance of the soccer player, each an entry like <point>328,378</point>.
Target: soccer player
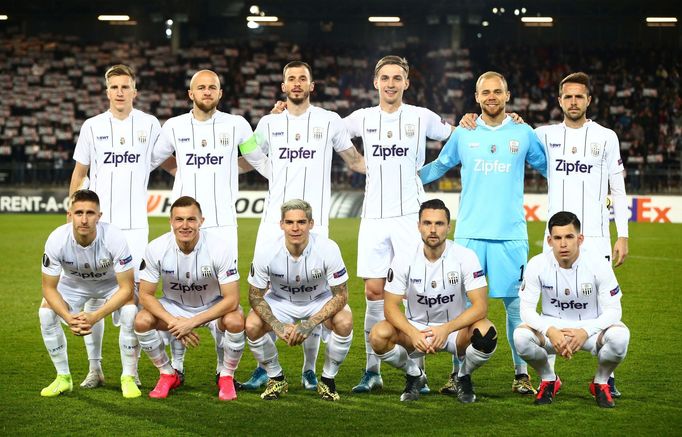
<point>394,136</point>
<point>435,280</point>
<point>305,279</point>
<point>584,164</point>
<point>200,285</point>
<point>299,143</point>
<point>580,310</point>
<point>87,259</point>
<point>115,149</point>
<point>491,219</point>
<point>205,143</point>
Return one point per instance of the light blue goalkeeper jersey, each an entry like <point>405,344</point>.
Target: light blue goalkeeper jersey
<point>493,165</point>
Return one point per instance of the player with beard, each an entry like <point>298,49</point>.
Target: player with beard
<point>205,143</point>
<point>584,165</point>
<point>491,219</point>
<point>298,144</point>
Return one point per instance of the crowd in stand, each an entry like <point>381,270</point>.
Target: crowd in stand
<point>52,84</point>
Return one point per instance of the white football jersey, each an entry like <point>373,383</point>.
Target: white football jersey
<point>395,149</point>
<point>435,292</point>
<point>192,279</point>
<point>301,280</point>
<point>118,153</point>
<point>579,163</point>
<point>87,271</point>
<point>587,293</point>
<point>300,150</point>
<point>206,154</point>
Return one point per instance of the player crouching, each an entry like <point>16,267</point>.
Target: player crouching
<point>307,280</point>
<point>200,284</point>
<point>580,310</point>
<point>435,282</point>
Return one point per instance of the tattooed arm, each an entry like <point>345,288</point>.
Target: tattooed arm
<point>333,306</point>
<point>261,307</point>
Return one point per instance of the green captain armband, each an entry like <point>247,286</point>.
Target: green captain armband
<point>251,144</point>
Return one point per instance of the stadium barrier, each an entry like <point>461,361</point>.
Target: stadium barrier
<point>656,209</point>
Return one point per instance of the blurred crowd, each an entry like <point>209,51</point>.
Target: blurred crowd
<point>51,84</point>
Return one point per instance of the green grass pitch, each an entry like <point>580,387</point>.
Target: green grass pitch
<point>649,378</point>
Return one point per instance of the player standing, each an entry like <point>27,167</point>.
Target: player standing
<point>87,259</point>
<point>394,136</point>
<point>491,218</point>
<point>581,309</point>
<point>115,149</point>
<point>200,285</point>
<point>436,280</point>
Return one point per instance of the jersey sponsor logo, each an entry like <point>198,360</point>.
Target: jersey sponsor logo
<point>340,273</point>
<point>46,260</point>
<point>478,274</point>
<point>184,140</point>
<point>440,299</point>
<point>547,287</point>
<point>485,167</point>
<point>176,286</point>
<point>68,263</point>
<point>121,158</point>
<point>206,271</point>
<point>288,154</point>
<point>199,160</point>
<point>105,263</point>
<point>615,291</point>
<point>416,280</point>
<point>513,147</point>
<point>572,305</point>
<point>318,133</point>
<point>301,289</point>
<point>276,275</point>
<point>316,273</point>
<point>371,131</point>
<point>88,275</point>
<point>409,130</point>
<point>102,137</point>
<point>278,134</point>
<point>125,261</point>
<point>387,152</point>
<point>554,145</point>
<point>453,278</point>
<point>563,166</point>
<point>586,289</point>
<point>168,272</point>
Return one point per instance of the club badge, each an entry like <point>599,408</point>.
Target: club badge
<point>104,263</point>
<point>453,278</point>
<point>513,147</point>
<point>206,271</point>
<point>141,137</point>
<point>316,273</point>
<point>318,133</point>
<point>224,139</point>
<point>409,130</point>
<point>586,289</point>
<point>595,149</point>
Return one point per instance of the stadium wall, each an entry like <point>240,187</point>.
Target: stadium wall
<point>652,209</point>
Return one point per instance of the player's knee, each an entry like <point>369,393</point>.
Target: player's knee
<point>523,338</point>
<point>253,326</point>
<point>144,321</point>
<point>618,338</point>
<point>47,317</point>
<point>380,335</point>
<point>484,343</point>
<point>232,322</point>
<point>128,315</point>
<point>343,323</point>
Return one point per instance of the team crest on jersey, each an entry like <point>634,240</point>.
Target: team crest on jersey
<point>574,150</point>
<point>104,263</point>
<point>586,289</point>
<point>595,149</point>
<point>409,130</point>
<point>318,133</point>
<point>389,134</point>
<point>224,139</point>
<point>206,271</point>
<point>316,273</point>
<point>297,137</point>
<point>567,291</point>
<point>453,278</point>
<point>122,141</point>
<point>203,143</point>
<point>474,145</point>
<point>513,147</point>
<point>141,137</point>
<point>434,284</point>
<point>493,148</point>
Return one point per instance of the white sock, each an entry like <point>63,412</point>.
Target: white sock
<point>93,342</point>
<point>456,364</point>
<point>218,338</point>
<point>233,347</point>
<point>127,341</point>
<point>528,348</point>
<point>265,352</point>
<point>311,348</point>
<point>374,313</point>
<point>153,346</point>
<point>334,354</point>
<point>473,359</point>
<point>421,362</point>
<point>552,361</point>
<point>177,353</point>
<point>616,340</point>
<point>54,339</point>
<point>398,358</point>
